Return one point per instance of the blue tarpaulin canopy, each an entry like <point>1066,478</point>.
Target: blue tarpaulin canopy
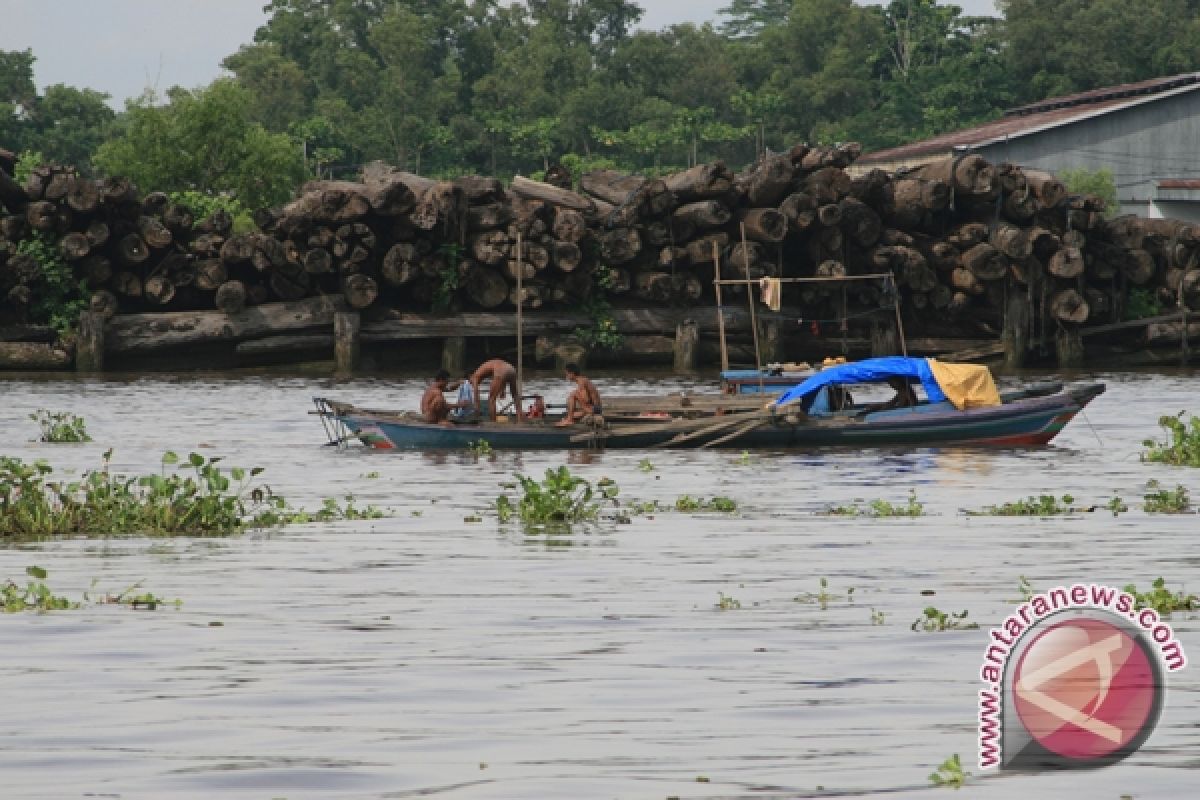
<point>871,370</point>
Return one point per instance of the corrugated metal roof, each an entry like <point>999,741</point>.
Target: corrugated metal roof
<point>1050,113</point>
<point>1179,183</point>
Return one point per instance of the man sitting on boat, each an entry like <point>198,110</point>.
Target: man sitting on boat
<point>584,400</point>
<point>504,376</point>
<point>434,408</point>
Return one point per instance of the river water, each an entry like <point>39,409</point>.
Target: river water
<point>425,655</point>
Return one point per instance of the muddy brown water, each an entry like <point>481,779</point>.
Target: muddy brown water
<point>422,655</point>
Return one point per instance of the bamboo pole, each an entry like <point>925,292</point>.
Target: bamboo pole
<point>720,308</point>
<point>520,339</point>
<point>899,322</point>
<point>753,313</point>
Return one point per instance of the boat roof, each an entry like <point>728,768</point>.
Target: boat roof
<point>871,370</point>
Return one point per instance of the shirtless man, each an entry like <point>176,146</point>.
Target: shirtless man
<point>583,401</point>
<point>504,376</point>
<point>434,408</point>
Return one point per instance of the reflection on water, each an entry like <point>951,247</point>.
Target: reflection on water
<point>423,654</point>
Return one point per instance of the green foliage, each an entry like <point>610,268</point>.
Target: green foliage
<point>146,601</point>
<point>878,617</point>
<point>27,161</point>
<point>33,596</point>
<point>60,298</point>
<point>1141,303</point>
<point>1167,501</point>
<point>645,466</point>
<point>1183,449</point>
<point>823,596</point>
<point>204,141</point>
<point>1026,589</point>
<point>727,603</point>
<point>204,204</point>
<point>60,426</point>
<point>1116,505</point>
<point>201,500</point>
<point>560,499</point>
<point>448,277</point>
<point>480,447</point>
<point>1099,182</point>
<point>603,333</point>
<point>1162,599</point>
<point>949,774</point>
<point>933,619</point>
<point>692,504</point>
<point>881,508</point>
<point>1045,505</point>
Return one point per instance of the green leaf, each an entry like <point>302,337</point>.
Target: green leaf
<point>36,572</point>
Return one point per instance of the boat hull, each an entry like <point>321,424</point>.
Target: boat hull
<point>1025,422</point>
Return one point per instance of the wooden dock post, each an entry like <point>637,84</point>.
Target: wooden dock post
<point>884,341</point>
<point>89,348</point>
<point>1068,344</point>
<point>687,346</point>
<point>454,355</point>
<point>773,345</point>
<point>1016,332</point>
<point>346,327</point>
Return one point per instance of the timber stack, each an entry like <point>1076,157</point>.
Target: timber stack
<point>969,246</point>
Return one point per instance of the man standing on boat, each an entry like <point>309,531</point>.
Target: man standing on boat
<point>584,400</point>
<point>434,408</point>
<point>504,376</point>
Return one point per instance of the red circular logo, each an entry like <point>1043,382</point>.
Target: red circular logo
<point>1085,689</point>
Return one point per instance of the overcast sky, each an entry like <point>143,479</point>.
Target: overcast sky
<point>124,46</point>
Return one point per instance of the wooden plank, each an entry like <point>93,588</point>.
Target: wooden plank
<point>33,355</point>
<point>272,345</point>
<point>683,404</point>
<point>148,333</point>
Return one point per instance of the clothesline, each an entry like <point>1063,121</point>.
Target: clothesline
<point>744,281</point>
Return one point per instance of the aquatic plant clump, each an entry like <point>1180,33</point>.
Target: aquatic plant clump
<point>35,595</point>
<point>561,497</point>
<point>1162,599</point>
<point>1046,505</point>
<point>1167,501</point>
<point>202,499</point>
<point>881,508</point>
<point>1183,447</point>
<point>60,426</point>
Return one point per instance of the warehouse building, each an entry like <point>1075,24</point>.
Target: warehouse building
<point>1147,134</point>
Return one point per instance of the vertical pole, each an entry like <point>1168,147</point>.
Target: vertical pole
<point>346,325</point>
<point>89,350</point>
<point>899,322</point>
<point>687,343</point>
<point>520,328</point>
<point>753,313</point>
<point>720,308</point>
<point>1185,354</point>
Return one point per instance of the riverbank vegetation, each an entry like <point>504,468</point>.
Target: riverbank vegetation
<point>1182,446</point>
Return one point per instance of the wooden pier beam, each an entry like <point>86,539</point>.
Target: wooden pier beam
<point>346,327</point>
<point>687,346</point>
<point>1068,344</point>
<point>89,347</point>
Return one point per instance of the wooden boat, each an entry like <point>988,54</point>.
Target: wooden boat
<point>1030,416</point>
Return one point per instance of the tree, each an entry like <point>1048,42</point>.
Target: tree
<point>69,124</point>
<point>204,140</point>
<point>748,18</point>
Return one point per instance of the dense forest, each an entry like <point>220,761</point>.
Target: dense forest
<point>448,87</point>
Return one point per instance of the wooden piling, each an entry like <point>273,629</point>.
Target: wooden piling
<point>774,350</point>
<point>454,355</point>
<point>346,327</point>
<point>884,341</point>
<point>1015,337</point>
<point>89,347</point>
<point>687,346</point>
<point>1068,344</point>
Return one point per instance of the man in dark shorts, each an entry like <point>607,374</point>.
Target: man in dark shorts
<point>584,400</point>
<point>504,376</point>
<point>434,408</point>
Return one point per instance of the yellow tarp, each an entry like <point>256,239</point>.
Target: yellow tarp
<point>966,385</point>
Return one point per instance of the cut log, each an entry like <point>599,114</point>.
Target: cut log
<point>1050,191</point>
<point>42,215</point>
<point>985,262</point>
<point>96,270</point>
<point>104,303</point>
<point>491,247</point>
<point>83,195</point>
<point>969,177</point>
<point>801,210</point>
<point>97,234</point>
<point>360,290</point>
<point>230,297</point>
<point>964,280</point>
<point>74,246</point>
<point>127,284</point>
<point>12,195</point>
<point>1068,305</point>
<point>702,214</point>
<point>132,251</point>
<point>325,202</point>
<point>535,190</point>
<point>763,224</point>
<point>860,222</point>
<point>620,245</point>
<point>1068,262</point>
<point>210,274</point>
<point>1011,241</point>
<point>569,225</point>
<point>701,182</point>
<point>566,256</point>
<point>831,269</point>
<point>33,355</point>
<point>701,251</point>
<point>238,249</point>
<point>768,181</point>
<point>488,217</point>
<point>1138,266</point>
<point>485,286</point>
<point>158,290</point>
<point>155,204</point>
<point>292,286</point>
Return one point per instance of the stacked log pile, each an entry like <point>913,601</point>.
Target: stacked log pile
<point>961,237</point>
